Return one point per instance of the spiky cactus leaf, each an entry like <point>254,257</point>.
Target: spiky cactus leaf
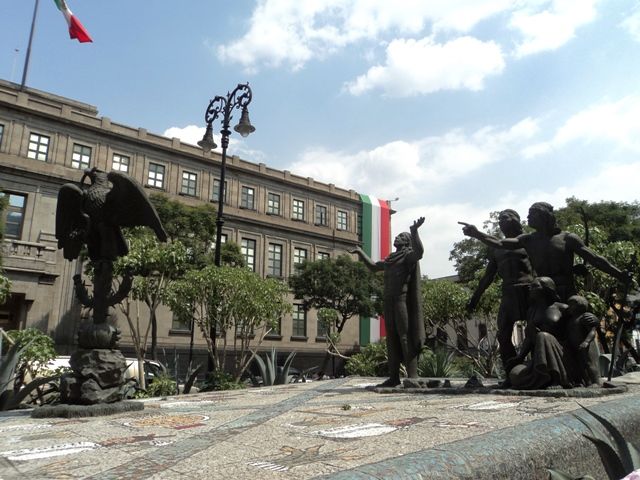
<point>284,376</point>
<point>558,475</point>
<point>610,459</point>
<point>17,398</point>
<point>629,455</point>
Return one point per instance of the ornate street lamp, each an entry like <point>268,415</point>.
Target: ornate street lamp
<point>238,98</point>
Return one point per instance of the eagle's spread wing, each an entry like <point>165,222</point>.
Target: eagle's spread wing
<point>128,205</point>
<point>71,222</point>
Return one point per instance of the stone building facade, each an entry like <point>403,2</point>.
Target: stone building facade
<point>276,217</point>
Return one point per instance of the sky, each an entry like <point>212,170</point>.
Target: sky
<point>457,108</point>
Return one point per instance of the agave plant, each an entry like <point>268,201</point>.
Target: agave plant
<point>8,398</point>
<point>271,374</point>
<point>619,457</point>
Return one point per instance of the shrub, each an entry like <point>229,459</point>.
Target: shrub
<point>436,363</point>
<point>162,386</point>
<point>220,380</point>
<point>372,361</point>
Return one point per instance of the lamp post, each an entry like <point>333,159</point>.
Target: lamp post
<point>238,98</point>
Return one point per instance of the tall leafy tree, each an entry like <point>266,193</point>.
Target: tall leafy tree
<point>154,265</point>
<point>194,226</point>
<point>243,307</point>
<point>339,284</point>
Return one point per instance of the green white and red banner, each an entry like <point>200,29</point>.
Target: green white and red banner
<point>376,239</point>
<point>76,30</point>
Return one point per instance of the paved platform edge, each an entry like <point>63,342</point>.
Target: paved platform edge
<point>521,452</point>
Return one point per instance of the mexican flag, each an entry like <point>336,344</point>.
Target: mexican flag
<point>376,239</point>
<point>76,30</point>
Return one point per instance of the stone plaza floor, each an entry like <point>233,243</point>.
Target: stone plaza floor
<point>330,429</point>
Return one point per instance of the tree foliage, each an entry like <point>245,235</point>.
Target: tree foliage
<point>154,265</point>
<point>243,307</point>
<point>341,284</point>
<point>193,226</point>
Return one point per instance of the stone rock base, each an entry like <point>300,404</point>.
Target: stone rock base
<point>97,377</point>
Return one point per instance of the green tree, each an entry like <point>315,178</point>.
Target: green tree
<point>194,226</point>
<point>342,285</point>
<point>238,302</point>
<point>154,266</point>
<point>444,305</point>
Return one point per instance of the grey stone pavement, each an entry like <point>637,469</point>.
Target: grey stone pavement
<point>328,429</point>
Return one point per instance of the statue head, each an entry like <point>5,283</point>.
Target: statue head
<point>544,288</point>
<point>541,217</point>
<point>577,305</point>
<point>402,240</point>
<point>509,222</point>
<point>91,173</point>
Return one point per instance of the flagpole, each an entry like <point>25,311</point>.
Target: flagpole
<point>26,60</point>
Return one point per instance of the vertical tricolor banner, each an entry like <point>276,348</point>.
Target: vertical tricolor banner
<point>76,30</point>
<point>376,239</point>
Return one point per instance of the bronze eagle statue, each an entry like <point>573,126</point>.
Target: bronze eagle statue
<point>94,215</point>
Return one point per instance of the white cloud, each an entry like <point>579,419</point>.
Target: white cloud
<point>547,25</point>
<point>422,66</point>
<point>617,122</point>
<point>192,134</point>
<point>406,169</point>
<point>292,32</point>
<point>613,181</point>
<point>632,24</point>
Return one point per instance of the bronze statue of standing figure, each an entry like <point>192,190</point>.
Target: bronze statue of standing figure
<point>514,268</point>
<point>402,302</point>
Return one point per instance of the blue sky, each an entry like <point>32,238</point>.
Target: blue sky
<point>457,107</point>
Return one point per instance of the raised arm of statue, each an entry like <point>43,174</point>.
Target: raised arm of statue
<point>576,244</point>
<point>490,241</point>
<point>416,243</point>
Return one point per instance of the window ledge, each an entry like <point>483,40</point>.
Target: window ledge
<point>297,338</point>
<point>274,336</point>
<point>180,333</point>
<point>152,187</point>
<point>184,194</point>
<point>321,224</point>
<point>321,339</point>
<point>298,219</point>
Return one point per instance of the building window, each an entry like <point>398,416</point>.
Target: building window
<point>247,198</point>
<point>14,215</point>
<point>299,257</point>
<point>274,260</point>
<point>359,226</point>
<point>322,328</point>
<point>189,183</point>
<point>180,324</point>
<point>321,215</point>
<point>81,156</point>
<point>215,191</point>
<point>155,177</point>
<point>38,147</point>
<point>276,330</point>
<point>322,256</point>
<point>1,133</point>
<point>273,204</point>
<point>297,211</point>
<point>120,163</point>
<point>248,249</point>
<point>299,321</point>
<point>342,220</point>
